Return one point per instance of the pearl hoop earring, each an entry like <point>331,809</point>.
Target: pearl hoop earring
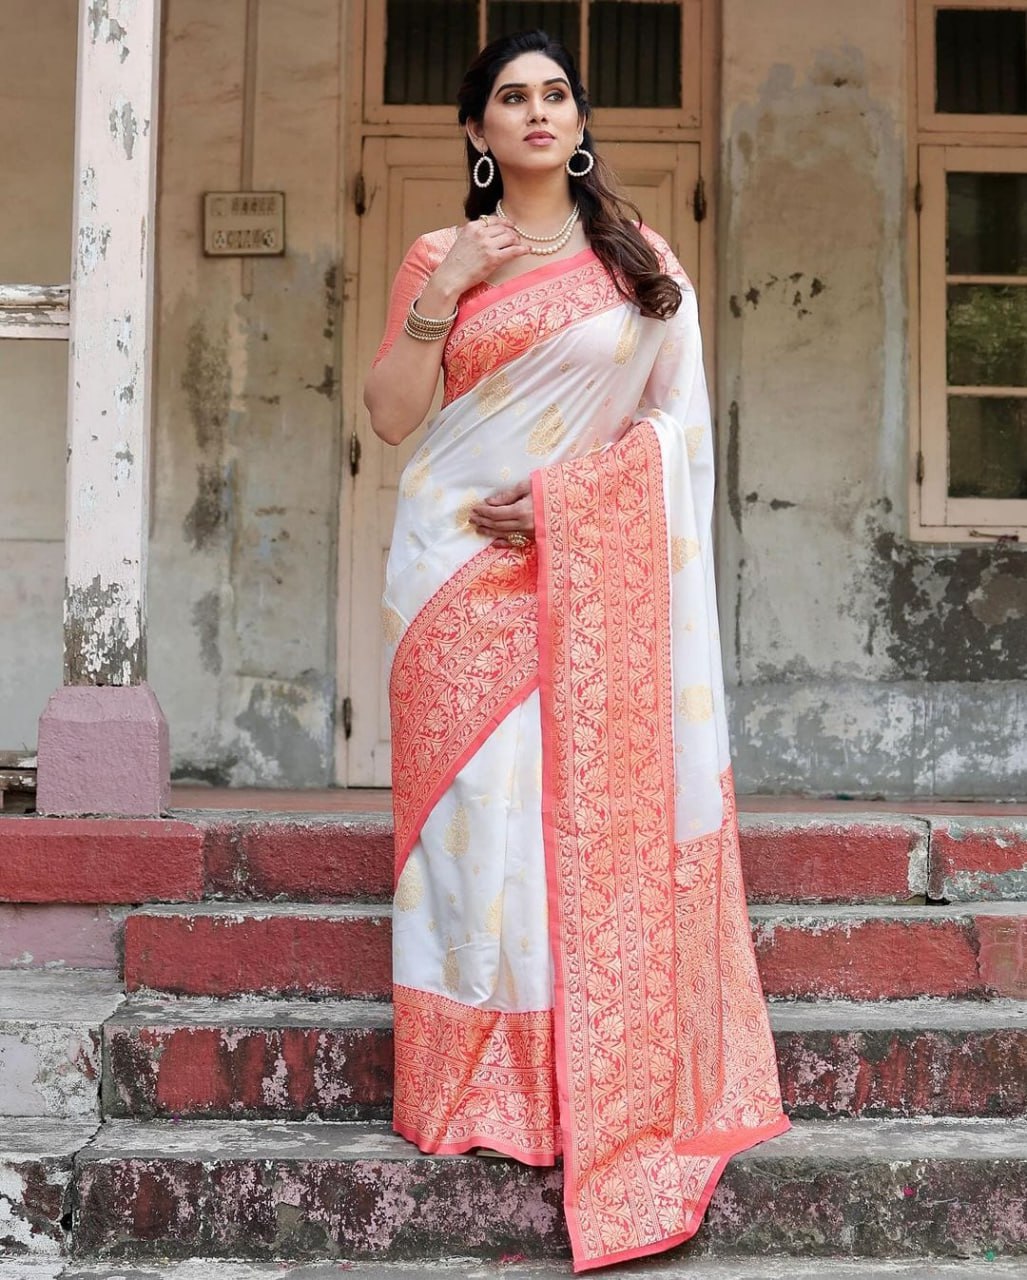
<point>484,158</point>
<point>589,161</point>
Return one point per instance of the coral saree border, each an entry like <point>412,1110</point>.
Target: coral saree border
<point>468,1077</point>
<point>467,659</point>
<point>651,1108</point>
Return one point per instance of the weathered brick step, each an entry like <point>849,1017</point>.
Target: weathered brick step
<point>657,1268</point>
<point>978,859</point>
<point>260,1059</point>
<point>50,1041</point>
<point>884,952</point>
<point>829,952</point>
<point>35,1183</point>
<point>788,857</point>
<point>263,1059</point>
<point>794,857</point>
<point>221,949</point>
<point>267,1190</point>
<point>924,1057</point>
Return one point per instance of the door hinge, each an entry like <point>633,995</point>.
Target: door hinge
<point>920,468</point>
<point>347,718</point>
<point>699,201</point>
<point>355,450</point>
<point>918,197</point>
<point>360,195</point>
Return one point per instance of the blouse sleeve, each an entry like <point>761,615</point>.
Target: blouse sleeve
<point>410,279</point>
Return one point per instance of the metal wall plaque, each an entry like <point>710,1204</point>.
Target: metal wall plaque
<point>243,224</point>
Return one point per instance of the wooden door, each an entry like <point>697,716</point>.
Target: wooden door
<point>415,185</point>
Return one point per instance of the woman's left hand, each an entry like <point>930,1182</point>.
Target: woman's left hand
<point>508,511</point>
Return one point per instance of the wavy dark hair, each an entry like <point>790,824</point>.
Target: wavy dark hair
<point>614,235</point>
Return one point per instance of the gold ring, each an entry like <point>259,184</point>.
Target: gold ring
<point>484,219</point>
<point>517,539</point>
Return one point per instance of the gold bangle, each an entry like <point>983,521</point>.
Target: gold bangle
<point>425,328</point>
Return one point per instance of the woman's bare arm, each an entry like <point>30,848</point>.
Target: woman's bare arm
<point>399,389</point>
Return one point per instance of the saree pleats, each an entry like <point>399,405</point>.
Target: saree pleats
<point>573,966</point>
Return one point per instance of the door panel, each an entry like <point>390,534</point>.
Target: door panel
<point>416,185</point>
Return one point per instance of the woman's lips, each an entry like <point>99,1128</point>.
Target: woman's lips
<point>539,139</point>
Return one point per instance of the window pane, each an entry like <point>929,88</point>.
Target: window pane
<point>987,224</point>
<point>987,335</point>
<point>429,45</point>
<point>981,61</point>
<point>634,54</point>
<point>987,447</point>
<point>560,18</point>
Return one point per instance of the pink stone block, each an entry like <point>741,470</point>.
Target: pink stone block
<point>72,937</point>
<point>103,750</point>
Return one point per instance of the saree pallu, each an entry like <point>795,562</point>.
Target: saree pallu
<point>573,966</point>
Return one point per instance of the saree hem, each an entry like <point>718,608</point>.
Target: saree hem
<point>747,1141</point>
<point>465,1146</point>
<point>471,1077</point>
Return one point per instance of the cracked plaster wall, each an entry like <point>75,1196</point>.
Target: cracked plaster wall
<point>37,119</point>
<point>242,575</point>
<point>242,585</point>
<point>858,662</point>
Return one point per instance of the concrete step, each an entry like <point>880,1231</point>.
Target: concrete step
<point>828,952</point>
<point>341,857</point>
<point>694,1268</point>
<point>50,1041</point>
<point>36,1184</point>
<point>196,1057</point>
<point>322,1191</point>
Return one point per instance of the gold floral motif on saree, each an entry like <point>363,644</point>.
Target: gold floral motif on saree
<point>547,433</point>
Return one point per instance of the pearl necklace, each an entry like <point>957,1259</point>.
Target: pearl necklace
<point>544,245</point>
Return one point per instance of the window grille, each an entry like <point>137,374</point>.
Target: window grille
<point>634,47</point>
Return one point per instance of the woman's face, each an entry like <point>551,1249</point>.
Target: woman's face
<point>531,119</point>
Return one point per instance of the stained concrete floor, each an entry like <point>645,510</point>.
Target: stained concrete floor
<point>456,1269</point>
<point>371,800</point>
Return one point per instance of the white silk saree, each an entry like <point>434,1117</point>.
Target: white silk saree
<point>573,967</point>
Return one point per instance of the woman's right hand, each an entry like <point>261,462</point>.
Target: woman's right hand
<point>398,392</point>
<point>479,250</point>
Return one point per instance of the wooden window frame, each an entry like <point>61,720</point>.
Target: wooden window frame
<point>942,144</point>
<point>620,120</point>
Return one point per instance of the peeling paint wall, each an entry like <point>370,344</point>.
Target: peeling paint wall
<point>242,574</point>
<point>858,662</point>
<point>37,125</point>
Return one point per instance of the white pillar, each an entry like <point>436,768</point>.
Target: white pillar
<point>105,707</point>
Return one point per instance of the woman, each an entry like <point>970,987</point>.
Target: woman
<point>573,966</point>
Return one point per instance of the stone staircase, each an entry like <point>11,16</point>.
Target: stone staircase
<point>195,1061</point>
